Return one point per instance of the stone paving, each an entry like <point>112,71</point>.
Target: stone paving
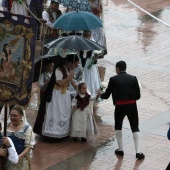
<point>144,44</point>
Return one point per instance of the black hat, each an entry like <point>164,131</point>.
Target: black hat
<point>53,1</point>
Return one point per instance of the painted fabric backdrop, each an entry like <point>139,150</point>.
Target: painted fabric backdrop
<point>17,49</point>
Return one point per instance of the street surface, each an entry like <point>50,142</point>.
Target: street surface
<point>143,43</point>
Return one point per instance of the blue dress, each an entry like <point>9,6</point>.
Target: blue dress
<point>21,139</point>
<point>18,139</point>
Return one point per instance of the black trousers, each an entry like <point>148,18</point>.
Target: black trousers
<point>129,110</point>
<point>37,9</point>
<point>168,167</point>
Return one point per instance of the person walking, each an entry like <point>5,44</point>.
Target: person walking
<point>90,67</point>
<point>54,114</point>
<point>83,123</point>
<point>9,150</point>
<point>168,136</point>
<point>50,15</point>
<point>19,7</point>
<point>125,91</point>
<point>45,77</point>
<point>21,134</point>
<point>37,7</point>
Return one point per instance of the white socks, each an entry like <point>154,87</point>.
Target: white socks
<point>136,141</point>
<point>119,139</point>
<point>120,143</point>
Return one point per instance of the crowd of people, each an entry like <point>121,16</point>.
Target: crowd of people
<point>68,91</point>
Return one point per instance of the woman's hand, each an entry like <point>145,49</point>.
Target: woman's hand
<point>98,94</point>
<point>3,152</point>
<point>74,84</point>
<point>74,107</point>
<point>70,76</point>
<point>6,142</point>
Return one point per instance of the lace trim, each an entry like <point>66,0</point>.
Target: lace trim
<point>55,135</point>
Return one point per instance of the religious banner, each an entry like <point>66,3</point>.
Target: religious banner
<point>17,49</point>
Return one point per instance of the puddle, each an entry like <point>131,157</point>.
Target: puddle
<point>86,157</point>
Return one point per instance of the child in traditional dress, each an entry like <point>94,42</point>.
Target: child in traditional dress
<point>83,123</point>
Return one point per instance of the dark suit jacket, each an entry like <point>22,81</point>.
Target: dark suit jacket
<point>122,87</point>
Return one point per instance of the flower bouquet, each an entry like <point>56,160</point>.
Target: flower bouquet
<point>103,86</point>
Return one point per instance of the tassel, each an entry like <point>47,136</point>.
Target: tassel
<point>91,63</point>
<point>19,2</point>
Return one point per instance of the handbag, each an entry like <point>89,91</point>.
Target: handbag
<point>168,133</point>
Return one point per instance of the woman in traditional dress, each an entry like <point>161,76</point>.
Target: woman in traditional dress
<point>45,77</point>
<point>18,7</point>
<point>21,134</point>
<point>90,67</point>
<point>53,119</point>
<point>98,34</point>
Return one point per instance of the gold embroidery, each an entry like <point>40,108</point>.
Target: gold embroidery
<point>63,89</point>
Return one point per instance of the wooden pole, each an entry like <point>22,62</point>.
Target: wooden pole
<point>5,120</point>
<point>4,159</point>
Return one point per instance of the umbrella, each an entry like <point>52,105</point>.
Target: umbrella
<point>74,43</point>
<point>77,20</point>
<point>78,5</point>
<point>39,64</point>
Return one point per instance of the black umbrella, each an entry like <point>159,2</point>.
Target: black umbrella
<point>39,66</point>
<point>74,43</point>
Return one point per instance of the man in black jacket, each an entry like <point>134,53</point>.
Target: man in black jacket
<point>125,91</point>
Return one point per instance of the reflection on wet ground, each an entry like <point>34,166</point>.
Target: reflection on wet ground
<point>86,157</point>
<point>144,44</point>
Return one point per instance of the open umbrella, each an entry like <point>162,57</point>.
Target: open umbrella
<point>78,5</point>
<point>77,20</point>
<point>39,65</point>
<point>74,43</point>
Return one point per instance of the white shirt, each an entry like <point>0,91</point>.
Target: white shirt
<point>46,17</point>
<point>12,154</point>
<point>44,77</point>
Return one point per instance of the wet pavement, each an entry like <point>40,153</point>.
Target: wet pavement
<point>143,43</point>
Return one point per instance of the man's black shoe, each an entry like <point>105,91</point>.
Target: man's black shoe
<point>120,153</point>
<point>140,156</point>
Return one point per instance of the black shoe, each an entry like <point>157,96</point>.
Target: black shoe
<point>120,153</point>
<point>140,156</point>
<point>83,139</point>
<point>75,139</point>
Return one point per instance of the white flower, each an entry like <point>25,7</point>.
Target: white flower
<point>97,51</point>
<point>103,86</point>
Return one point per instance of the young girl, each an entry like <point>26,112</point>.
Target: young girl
<point>83,123</point>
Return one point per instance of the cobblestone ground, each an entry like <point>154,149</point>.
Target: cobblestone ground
<point>144,44</point>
